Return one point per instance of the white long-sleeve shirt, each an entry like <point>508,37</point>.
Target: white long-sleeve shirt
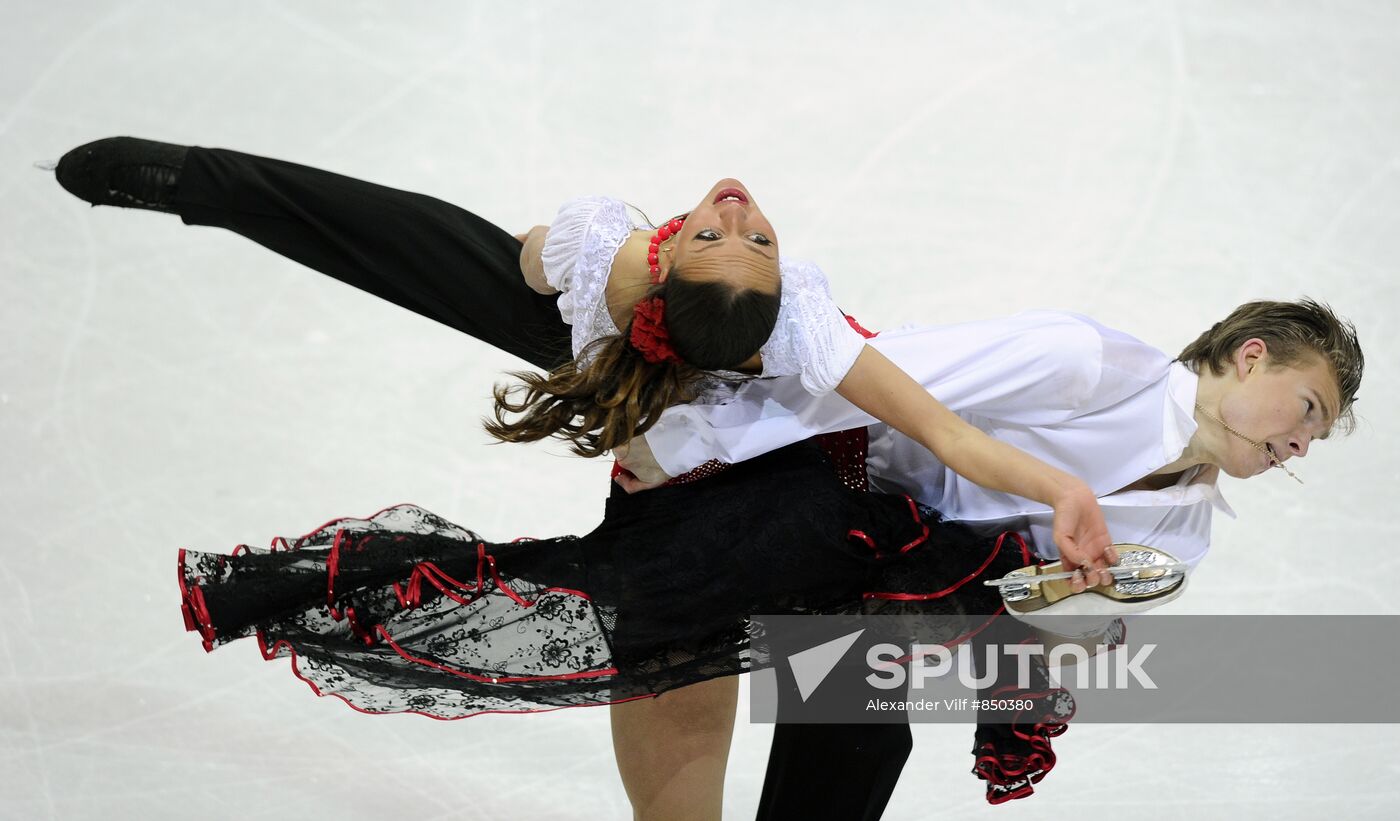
<point>1093,401</point>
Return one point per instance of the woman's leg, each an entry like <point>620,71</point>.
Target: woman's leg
<point>672,750</point>
<point>420,253</point>
<point>423,254</point>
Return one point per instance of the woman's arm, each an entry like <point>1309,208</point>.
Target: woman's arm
<point>531,264</point>
<point>1035,369</point>
<point>878,387</point>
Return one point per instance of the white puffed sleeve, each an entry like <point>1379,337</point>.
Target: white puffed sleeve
<point>812,339</point>
<point>577,257</point>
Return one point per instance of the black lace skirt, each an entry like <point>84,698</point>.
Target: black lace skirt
<point>405,611</point>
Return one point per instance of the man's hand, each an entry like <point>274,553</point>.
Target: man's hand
<point>642,471</point>
<point>1082,537</point>
<point>632,484</point>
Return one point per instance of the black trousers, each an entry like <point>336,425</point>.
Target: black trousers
<point>447,264</point>
<point>837,771</point>
<point>417,252</point>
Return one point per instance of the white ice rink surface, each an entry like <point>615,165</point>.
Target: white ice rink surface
<point>1149,163</point>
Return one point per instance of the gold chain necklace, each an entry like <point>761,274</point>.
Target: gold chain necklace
<point>1262,448</point>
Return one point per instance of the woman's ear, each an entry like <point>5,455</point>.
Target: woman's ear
<point>666,260</point>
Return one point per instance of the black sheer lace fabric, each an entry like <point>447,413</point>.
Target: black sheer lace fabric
<point>404,611</point>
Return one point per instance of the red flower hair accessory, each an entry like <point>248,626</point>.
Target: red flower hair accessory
<point>649,334</point>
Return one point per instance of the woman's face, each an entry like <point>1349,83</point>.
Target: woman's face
<point>1284,408</point>
<point>727,237</point>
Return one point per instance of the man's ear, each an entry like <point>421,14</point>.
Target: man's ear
<point>1252,352</point>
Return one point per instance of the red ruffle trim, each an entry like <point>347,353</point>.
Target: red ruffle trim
<point>1010,776</point>
<point>192,607</point>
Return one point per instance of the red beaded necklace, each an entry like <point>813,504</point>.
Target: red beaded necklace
<point>662,234</point>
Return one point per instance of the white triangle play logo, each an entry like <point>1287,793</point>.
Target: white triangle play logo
<point>811,666</point>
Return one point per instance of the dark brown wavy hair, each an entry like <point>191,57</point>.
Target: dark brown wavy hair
<point>610,393</point>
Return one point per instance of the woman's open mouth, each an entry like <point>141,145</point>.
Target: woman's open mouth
<point>731,195</point>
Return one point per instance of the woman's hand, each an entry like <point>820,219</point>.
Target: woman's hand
<point>1082,536</point>
<point>642,471</point>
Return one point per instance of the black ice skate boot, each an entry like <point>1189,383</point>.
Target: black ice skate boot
<point>124,171</point>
